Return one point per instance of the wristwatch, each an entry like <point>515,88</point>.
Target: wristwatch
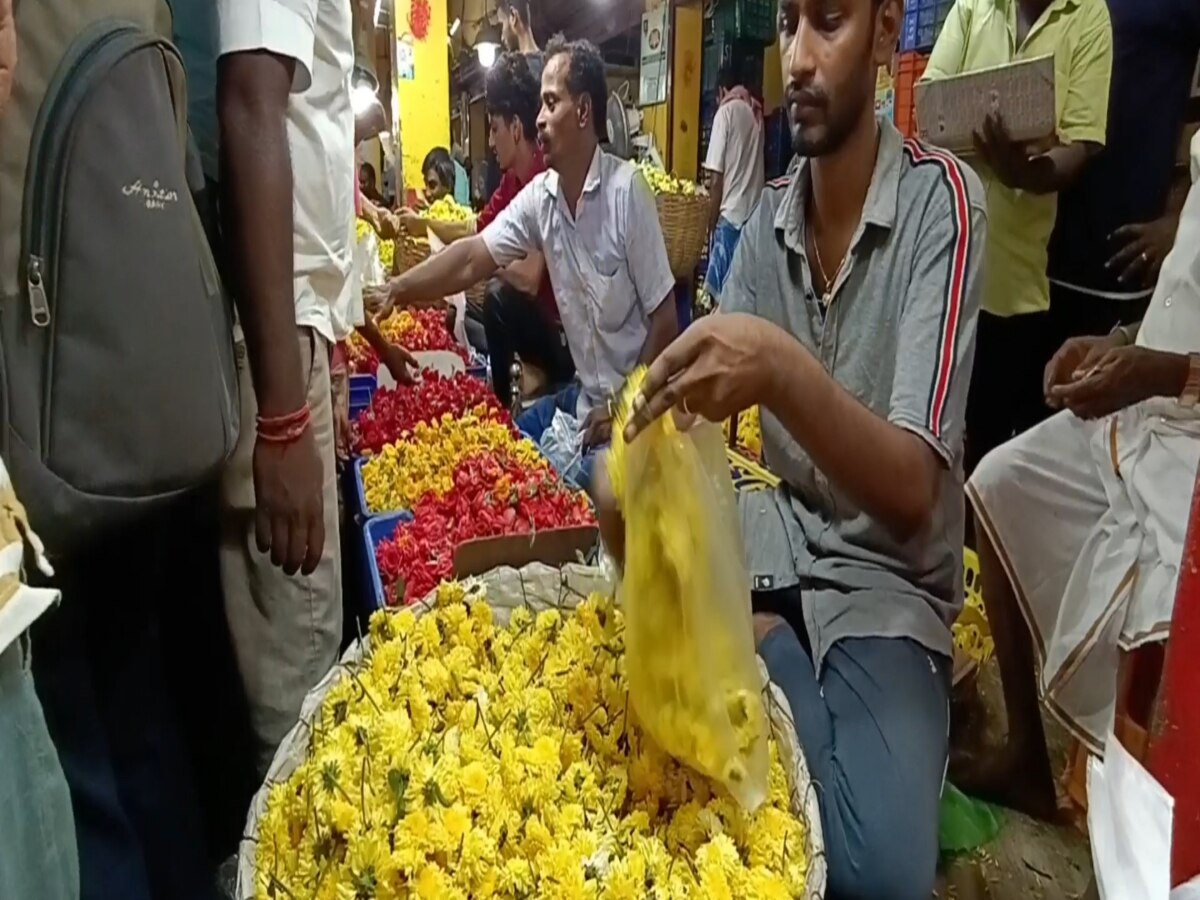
<point>1191,388</point>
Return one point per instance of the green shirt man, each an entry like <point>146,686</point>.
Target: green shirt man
<point>1022,203</point>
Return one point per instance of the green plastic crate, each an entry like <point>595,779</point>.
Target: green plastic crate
<point>747,20</point>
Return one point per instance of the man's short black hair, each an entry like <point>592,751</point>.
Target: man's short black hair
<point>513,93</point>
<point>727,78</point>
<point>439,161</point>
<point>520,6</point>
<point>585,75</point>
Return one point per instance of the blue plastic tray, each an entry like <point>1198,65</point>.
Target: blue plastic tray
<point>376,531</point>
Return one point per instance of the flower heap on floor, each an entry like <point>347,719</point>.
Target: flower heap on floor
<point>416,330</point>
<point>461,759</point>
<point>446,451</point>
<point>387,248</point>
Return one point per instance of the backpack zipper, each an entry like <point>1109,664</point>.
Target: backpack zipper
<point>97,49</point>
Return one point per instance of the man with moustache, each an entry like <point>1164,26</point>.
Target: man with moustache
<point>849,315</point>
<point>592,218</point>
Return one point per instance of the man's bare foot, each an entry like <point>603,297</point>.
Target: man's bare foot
<point>1010,779</point>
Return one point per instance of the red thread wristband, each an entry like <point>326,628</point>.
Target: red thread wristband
<point>284,429</point>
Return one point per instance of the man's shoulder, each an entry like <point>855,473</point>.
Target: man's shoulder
<point>927,171</point>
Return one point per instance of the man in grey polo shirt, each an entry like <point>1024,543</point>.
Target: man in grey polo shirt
<point>850,315</point>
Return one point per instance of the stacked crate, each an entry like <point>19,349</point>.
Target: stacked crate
<point>909,69</point>
<point>923,20</point>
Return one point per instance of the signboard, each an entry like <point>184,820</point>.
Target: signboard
<point>655,65</point>
<point>405,68</point>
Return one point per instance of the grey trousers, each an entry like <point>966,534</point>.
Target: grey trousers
<point>286,630</point>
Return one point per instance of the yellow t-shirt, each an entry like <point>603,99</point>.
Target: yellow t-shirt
<point>980,34</point>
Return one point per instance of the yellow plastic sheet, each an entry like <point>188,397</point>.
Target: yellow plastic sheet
<point>693,676</point>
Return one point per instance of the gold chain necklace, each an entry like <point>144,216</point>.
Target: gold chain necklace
<point>827,296</point>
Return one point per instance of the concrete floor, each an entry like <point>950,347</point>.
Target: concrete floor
<point>1028,859</point>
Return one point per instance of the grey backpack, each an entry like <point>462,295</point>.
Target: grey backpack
<point>118,390</point>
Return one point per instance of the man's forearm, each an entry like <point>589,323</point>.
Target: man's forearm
<point>370,332</point>
<point>716,186</point>
<point>256,176</point>
<point>458,267</point>
<point>1058,168</point>
<point>664,328</point>
<point>887,471</point>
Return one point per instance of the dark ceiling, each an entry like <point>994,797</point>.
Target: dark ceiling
<point>596,20</point>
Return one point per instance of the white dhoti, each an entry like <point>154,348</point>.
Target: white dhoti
<point>1089,520</point>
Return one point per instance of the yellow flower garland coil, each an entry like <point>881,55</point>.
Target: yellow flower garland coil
<point>693,674</point>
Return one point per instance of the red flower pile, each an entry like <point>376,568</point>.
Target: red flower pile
<point>492,496</point>
<point>416,330</point>
<point>394,412</point>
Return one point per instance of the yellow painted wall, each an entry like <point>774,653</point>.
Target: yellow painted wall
<point>685,113</point>
<point>772,79</point>
<point>425,100</point>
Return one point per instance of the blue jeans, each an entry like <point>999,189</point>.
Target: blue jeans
<point>725,239</point>
<point>38,857</point>
<point>535,420</point>
<point>874,727</point>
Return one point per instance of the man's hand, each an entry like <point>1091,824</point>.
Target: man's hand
<point>720,365</point>
<point>1141,249</point>
<point>1009,159</point>
<point>1073,360</point>
<point>289,507</point>
<point>597,428</point>
<point>412,222</point>
<point>398,360</point>
<point>1123,377</point>
<point>8,51</point>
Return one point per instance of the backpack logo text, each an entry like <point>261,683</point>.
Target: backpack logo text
<point>154,197</point>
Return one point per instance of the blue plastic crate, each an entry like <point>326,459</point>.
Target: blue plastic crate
<point>359,496</point>
<point>359,400</point>
<point>376,531</point>
<point>364,382</point>
<point>908,33</point>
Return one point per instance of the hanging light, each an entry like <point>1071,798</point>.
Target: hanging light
<point>487,45</point>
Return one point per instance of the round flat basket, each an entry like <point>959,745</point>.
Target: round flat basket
<point>538,587</point>
<point>684,222</point>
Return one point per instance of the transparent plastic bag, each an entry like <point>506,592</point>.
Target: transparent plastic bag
<point>693,676</point>
<point>562,442</point>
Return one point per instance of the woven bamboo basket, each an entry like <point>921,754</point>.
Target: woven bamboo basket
<point>539,587</point>
<point>410,252</point>
<point>684,222</point>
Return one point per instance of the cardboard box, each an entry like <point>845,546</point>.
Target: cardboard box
<point>951,110</point>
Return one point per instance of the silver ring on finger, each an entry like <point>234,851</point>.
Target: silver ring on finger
<point>684,407</point>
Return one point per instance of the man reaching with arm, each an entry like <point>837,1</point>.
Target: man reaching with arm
<point>592,218</point>
<point>287,143</point>
<point>849,315</point>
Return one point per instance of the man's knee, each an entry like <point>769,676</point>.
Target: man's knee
<point>883,852</point>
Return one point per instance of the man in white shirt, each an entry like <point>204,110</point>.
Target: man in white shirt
<point>734,171</point>
<point>1082,523</point>
<point>593,219</point>
<point>287,175</point>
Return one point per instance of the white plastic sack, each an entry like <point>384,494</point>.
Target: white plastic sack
<point>1129,819</point>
